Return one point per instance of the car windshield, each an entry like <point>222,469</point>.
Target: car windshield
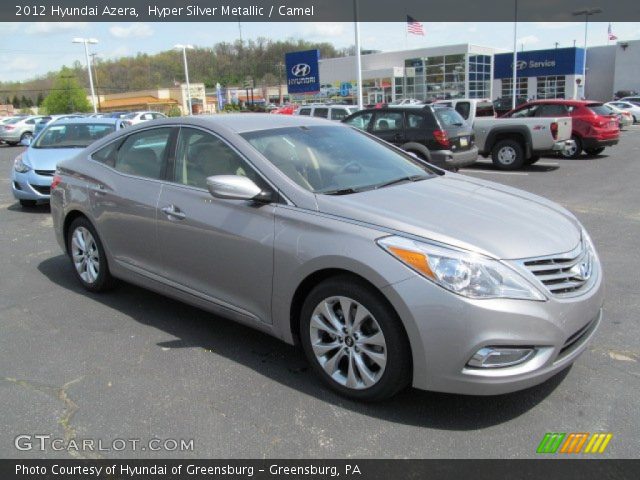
<point>336,160</point>
<point>78,135</point>
<point>449,117</point>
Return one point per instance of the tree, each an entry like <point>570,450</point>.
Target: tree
<point>66,95</point>
<point>39,100</point>
<point>15,102</point>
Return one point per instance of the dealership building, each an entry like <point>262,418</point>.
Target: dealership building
<point>472,71</point>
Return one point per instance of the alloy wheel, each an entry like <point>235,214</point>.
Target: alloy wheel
<point>348,343</point>
<point>86,258</point>
<point>507,155</point>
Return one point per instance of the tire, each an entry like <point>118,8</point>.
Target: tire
<point>12,144</point>
<point>531,160</point>
<point>92,270</point>
<point>26,135</point>
<point>574,153</point>
<point>27,203</point>
<point>360,370</point>
<point>508,155</point>
<point>594,151</point>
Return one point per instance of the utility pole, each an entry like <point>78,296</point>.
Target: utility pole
<point>86,42</point>
<point>587,13</point>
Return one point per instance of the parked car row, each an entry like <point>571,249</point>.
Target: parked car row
<point>15,129</point>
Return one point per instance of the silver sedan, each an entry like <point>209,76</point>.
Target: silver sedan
<point>389,272</point>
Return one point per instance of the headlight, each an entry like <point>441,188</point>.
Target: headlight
<point>19,165</point>
<point>465,273</point>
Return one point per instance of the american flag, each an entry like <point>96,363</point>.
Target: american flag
<point>414,26</point>
<point>610,34</point>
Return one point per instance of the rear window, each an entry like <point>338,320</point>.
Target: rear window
<point>599,109</point>
<point>448,117</point>
<point>78,135</point>
<point>485,110</point>
<point>304,111</point>
<point>12,121</point>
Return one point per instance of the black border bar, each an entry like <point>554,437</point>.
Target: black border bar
<point>315,10</point>
<point>547,469</point>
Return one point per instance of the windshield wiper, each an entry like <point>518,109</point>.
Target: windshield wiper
<point>408,178</point>
<point>341,191</point>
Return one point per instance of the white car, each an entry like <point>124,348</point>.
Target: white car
<point>139,117</point>
<point>624,116</point>
<point>632,108</point>
<point>332,112</point>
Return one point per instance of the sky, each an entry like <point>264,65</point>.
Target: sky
<point>31,49</point>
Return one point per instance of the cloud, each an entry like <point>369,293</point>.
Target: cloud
<point>117,53</point>
<point>51,28</point>
<point>135,30</point>
<point>556,25</point>
<point>20,65</point>
<point>529,40</point>
<point>327,29</point>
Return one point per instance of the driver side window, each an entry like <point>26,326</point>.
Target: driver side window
<point>201,155</point>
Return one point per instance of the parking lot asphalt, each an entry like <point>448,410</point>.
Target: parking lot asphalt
<point>131,364</point>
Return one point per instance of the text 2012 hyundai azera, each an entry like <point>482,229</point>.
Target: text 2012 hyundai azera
<point>388,271</point>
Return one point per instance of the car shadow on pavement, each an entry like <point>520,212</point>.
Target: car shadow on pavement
<point>42,208</point>
<point>488,166</point>
<point>285,364</point>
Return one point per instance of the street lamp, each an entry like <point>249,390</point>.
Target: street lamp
<point>186,70</point>
<point>587,13</point>
<point>86,42</point>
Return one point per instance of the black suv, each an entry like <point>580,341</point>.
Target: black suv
<point>436,134</point>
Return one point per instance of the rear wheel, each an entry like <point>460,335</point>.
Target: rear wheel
<point>354,340</point>
<point>508,155</point>
<point>594,151</point>
<point>575,150</point>
<point>26,135</point>
<point>88,257</point>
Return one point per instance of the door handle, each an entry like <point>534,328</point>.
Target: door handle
<point>100,189</point>
<point>173,211</point>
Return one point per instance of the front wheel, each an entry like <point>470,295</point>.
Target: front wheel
<point>508,155</point>
<point>575,150</point>
<point>88,256</point>
<point>354,340</point>
<point>594,151</point>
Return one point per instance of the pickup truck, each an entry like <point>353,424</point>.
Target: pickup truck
<point>513,142</point>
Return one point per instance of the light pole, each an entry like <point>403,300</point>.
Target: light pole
<point>358,59</point>
<point>186,70</point>
<point>587,13</point>
<point>514,74</point>
<point>86,42</point>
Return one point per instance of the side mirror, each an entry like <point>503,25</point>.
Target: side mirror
<point>26,141</point>
<point>236,187</point>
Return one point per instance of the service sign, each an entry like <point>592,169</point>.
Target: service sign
<point>540,63</point>
<point>303,73</point>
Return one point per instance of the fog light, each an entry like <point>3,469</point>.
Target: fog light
<point>496,357</point>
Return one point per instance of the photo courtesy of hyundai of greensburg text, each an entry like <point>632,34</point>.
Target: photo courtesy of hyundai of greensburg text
<point>308,239</point>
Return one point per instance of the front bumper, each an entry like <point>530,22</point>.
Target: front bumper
<point>31,186</point>
<point>445,330</point>
<point>449,159</point>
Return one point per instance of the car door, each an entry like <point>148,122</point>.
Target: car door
<point>218,250</point>
<point>124,196</point>
<point>416,127</point>
<point>389,126</point>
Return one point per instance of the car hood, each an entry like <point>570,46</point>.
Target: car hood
<point>48,158</point>
<point>473,214</point>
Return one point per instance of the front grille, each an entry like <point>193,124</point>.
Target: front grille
<point>46,173</point>
<point>44,190</point>
<point>563,274</point>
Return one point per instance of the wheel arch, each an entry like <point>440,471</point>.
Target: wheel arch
<point>521,135</point>
<point>68,220</point>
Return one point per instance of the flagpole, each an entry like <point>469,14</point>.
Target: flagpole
<point>358,59</point>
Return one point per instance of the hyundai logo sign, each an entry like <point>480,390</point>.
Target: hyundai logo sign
<point>303,71</point>
<point>300,70</point>
<point>521,64</point>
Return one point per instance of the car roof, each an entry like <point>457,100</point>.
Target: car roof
<point>249,122</point>
<point>85,120</point>
<point>561,101</point>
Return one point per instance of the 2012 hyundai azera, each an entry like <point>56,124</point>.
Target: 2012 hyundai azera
<point>386,270</point>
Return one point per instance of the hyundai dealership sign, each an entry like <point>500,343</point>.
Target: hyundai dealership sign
<point>303,74</point>
<point>540,63</point>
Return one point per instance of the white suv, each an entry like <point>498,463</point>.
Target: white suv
<point>332,112</point>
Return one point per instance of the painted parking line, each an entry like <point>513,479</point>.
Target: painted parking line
<point>547,164</point>
<point>470,170</point>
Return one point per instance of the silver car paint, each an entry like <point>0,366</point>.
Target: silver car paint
<point>264,253</point>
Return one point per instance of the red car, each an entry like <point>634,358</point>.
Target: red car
<point>594,126</point>
<point>285,110</point>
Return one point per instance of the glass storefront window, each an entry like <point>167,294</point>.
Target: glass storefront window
<point>522,87</point>
<point>550,87</point>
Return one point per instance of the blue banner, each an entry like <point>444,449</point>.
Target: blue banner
<point>303,73</point>
<point>540,63</point>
